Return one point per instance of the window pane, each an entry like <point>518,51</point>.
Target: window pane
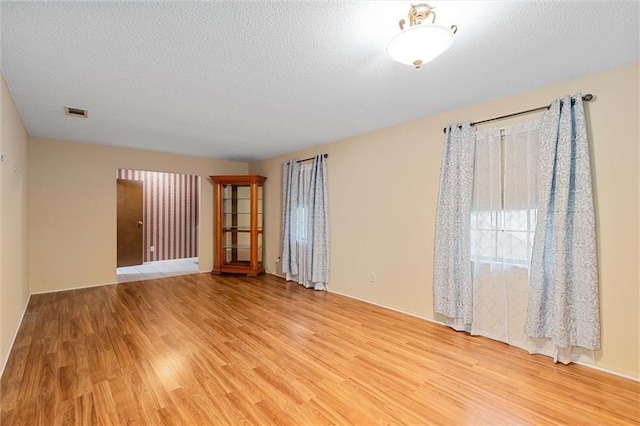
<point>301,224</point>
<point>516,220</point>
<point>485,220</point>
<point>483,243</point>
<point>514,246</point>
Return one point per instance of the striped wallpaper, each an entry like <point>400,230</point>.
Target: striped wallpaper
<point>170,205</point>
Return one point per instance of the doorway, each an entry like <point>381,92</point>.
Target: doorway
<point>129,222</point>
<point>170,218</point>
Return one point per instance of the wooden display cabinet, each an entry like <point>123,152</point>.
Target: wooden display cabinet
<point>239,224</point>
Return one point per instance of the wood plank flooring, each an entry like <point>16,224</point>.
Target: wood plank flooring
<point>202,349</point>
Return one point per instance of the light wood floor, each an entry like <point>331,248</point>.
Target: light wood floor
<point>200,349</point>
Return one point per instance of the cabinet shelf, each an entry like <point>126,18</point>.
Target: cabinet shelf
<point>239,224</point>
<point>238,247</point>
<point>237,213</point>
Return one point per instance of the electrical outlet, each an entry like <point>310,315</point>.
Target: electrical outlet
<point>152,249</point>
<point>372,278</point>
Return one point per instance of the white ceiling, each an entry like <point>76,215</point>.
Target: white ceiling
<point>250,80</point>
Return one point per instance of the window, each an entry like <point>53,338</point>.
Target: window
<point>302,208</point>
<point>504,207</point>
<point>503,235</point>
<point>301,224</point>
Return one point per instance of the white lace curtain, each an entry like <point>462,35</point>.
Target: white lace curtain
<point>503,222</point>
<point>305,223</point>
<point>530,275</point>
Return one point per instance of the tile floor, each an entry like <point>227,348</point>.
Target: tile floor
<point>152,270</point>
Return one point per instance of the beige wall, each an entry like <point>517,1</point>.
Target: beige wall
<point>383,188</point>
<point>72,208</point>
<point>14,286</point>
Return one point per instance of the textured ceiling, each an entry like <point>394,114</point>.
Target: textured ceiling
<point>250,80</point>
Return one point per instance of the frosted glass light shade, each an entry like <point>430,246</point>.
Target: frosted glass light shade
<point>420,44</point>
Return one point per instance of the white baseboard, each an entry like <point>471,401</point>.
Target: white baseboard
<point>15,334</point>
<point>275,275</point>
<point>115,283</point>
<point>386,307</point>
<point>606,370</point>
<point>75,288</point>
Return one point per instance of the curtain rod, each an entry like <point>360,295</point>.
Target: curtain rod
<point>311,158</point>
<point>588,97</point>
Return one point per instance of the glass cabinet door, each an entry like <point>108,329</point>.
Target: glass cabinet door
<point>236,227</point>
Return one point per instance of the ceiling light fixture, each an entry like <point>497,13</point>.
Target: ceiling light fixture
<point>420,42</point>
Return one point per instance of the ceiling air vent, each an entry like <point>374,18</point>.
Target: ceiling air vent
<point>75,112</point>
